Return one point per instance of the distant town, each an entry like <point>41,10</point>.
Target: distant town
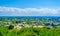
<point>24,21</point>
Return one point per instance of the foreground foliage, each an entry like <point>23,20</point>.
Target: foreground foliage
<point>4,31</point>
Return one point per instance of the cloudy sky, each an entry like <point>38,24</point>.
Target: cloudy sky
<point>29,7</point>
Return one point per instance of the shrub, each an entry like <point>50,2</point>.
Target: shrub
<point>11,27</point>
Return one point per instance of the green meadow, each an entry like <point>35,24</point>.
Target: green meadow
<point>24,31</point>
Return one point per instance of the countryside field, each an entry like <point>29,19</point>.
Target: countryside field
<point>24,31</point>
<point>29,26</point>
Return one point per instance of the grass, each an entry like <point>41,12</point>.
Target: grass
<point>29,32</point>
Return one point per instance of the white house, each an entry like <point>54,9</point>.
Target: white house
<point>19,26</point>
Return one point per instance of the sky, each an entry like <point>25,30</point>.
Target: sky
<point>29,7</point>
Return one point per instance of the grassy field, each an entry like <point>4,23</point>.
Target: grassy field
<point>4,31</point>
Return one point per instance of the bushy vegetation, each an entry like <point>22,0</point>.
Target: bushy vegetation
<point>4,31</point>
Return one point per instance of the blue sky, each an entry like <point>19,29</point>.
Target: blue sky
<point>29,7</point>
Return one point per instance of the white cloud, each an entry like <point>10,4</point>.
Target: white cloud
<point>32,11</point>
